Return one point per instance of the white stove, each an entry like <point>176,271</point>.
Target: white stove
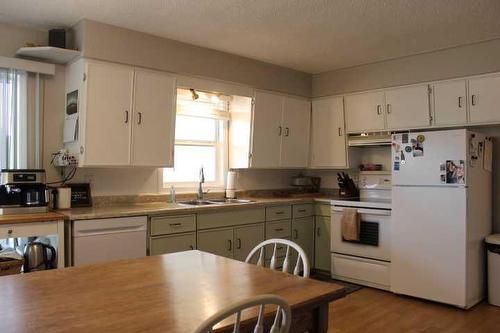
<point>366,261</point>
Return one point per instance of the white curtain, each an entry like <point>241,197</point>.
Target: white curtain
<point>13,119</point>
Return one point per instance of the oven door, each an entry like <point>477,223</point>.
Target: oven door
<point>375,241</point>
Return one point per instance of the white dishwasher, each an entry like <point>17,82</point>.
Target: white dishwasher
<point>102,240</point>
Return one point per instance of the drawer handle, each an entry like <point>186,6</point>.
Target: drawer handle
<point>302,210</point>
<point>175,224</point>
<point>278,229</point>
<point>9,231</point>
<point>280,213</point>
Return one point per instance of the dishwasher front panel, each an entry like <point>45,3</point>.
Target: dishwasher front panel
<point>103,240</point>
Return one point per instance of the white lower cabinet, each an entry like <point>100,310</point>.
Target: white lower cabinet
<point>322,243</point>
<point>216,241</point>
<point>246,238</point>
<point>363,271</point>
<point>303,235</point>
<point>172,243</point>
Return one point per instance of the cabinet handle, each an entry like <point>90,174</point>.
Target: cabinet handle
<point>280,213</point>
<point>389,108</point>
<point>229,245</point>
<point>379,109</point>
<point>473,99</point>
<point>278,229</point>
<point>287,131</point>
<point>9,231</point>
<point>295,234</point>
<point>302,210</point>
<point>139,121</point>
<point>459,101</point>
<point>238,246</point>
<point>318,232</point>
<point>280,130</point>
<point>340,131</point>
<point>126,116</point>
<point>191,247</point>
<point>175,224</point>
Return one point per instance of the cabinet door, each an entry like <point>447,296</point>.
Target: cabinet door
<point>322,243</point>
<point>328,146</point>
<point>450,106</point>
<point>172,243</point>
<point>407,107</point>
<point>484,99</point>
<point>365,112</point>
<point>154,119</point>
<point>267,130</point>
<point>295,142</point>
<point>108,114</point>
<point>216,241</point>
<point>303,234</point>
<point>245,239</point>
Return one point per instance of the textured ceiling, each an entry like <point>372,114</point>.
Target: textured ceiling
<point>307,35</point>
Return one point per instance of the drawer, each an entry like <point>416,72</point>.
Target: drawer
<point>280,250</point>
<point>363,271</point>
<point>231,218</point>
<point>172,243</point>
<point>279,229</point>
<point>322,209</point>
<point>172,224</point>
<point>275,213</point>
<point>28,229</point>
<point>304,210</point>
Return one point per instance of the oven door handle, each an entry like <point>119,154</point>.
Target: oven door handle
<point>378,212</point>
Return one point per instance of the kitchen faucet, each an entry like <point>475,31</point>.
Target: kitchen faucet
<point>200,184</point>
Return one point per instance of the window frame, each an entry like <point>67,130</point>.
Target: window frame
<point>222,160</point>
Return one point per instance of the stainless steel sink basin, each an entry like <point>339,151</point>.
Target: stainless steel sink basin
<point>196,202</point>
<point>229,201</point>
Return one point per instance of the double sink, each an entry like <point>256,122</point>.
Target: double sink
<point>214,202</point>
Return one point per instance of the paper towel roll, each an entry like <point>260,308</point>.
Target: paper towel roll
<point>231,180</point>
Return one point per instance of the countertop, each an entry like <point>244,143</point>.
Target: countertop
<point>164,208</point>
<point>33,217</point>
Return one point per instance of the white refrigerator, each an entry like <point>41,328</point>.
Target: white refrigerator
<point>442,211</point>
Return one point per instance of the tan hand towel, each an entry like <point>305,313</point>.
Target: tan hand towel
<point>350,224</point>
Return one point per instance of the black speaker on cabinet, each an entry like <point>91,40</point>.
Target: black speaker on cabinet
<point>57,38</point>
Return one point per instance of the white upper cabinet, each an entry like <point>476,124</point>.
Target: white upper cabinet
<point>328,144</point>
<point>267,130</point>
<point>407,107</point>
<point>107,115</point>
<point>484,99</point>
<point>280,135</point>
<point>295,136</point>
<point>450,103</point>
<point>126,116</point>
<point>153,119</point>
<point>365,112</point>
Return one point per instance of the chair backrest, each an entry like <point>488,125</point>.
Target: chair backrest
<point>290,246</point>
<point>282,320</point>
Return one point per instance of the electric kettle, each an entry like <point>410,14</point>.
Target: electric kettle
<point>39,256</point>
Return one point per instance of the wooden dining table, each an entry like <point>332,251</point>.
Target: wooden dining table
<point>166,293</point>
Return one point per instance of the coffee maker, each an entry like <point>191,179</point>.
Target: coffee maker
<point>23,191</point>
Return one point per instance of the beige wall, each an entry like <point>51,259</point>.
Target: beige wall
<point>466,60</point>
<point>106,42</point>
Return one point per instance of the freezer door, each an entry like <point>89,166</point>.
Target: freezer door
<point>429,243</point>
<point>420,158</point>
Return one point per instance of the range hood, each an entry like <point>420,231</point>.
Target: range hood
<point>370,139</point>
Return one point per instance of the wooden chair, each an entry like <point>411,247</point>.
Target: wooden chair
<point>282,320</point>
<point>302,257</point>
